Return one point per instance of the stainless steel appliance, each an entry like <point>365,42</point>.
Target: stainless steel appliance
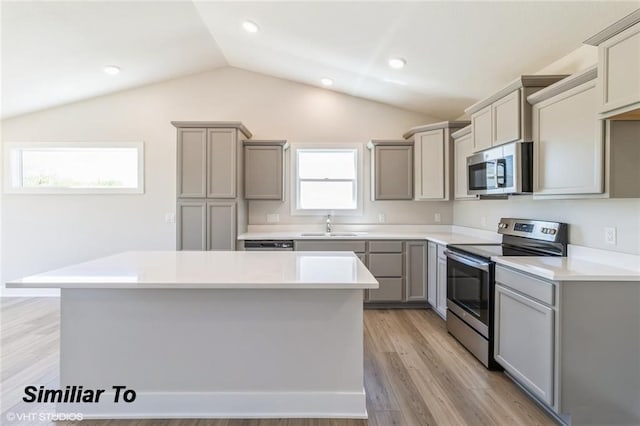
<point>268,245</point>
<point>506,169</point>
<point>471,279</point>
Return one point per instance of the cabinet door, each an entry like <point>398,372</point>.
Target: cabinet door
<point>506,119</point>
<point>430,165</point>
<point>524,341</point>
<point>619,70</point>
<point>441,292</point>
<point>432,274</point>
<point>481,129</point>
<point>568,143</point>
<point>263,173</point>
<point>390,290</point>
<point>221,225</point>
<point>191,219</point>
<point>385,264</point>
<point>393,172</point>
<point>192,163</point>
<point>463,147</point>
<point>221,163</point>
<point>416,271</point>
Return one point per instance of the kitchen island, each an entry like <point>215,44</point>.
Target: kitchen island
<point>213,334</point>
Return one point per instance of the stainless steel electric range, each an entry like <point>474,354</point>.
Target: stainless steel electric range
<point>471,278</point>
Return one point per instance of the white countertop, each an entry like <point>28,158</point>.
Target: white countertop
<point>210,270</point>
<point>569,269</point>
<point>437,237</point>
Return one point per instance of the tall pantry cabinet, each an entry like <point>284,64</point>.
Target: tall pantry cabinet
<point>211,208</point>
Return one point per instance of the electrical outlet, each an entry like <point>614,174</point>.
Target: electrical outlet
<point>610,236</point>
<point>170,218</point>
<point>483,221</point>
<point>273,218</point>
<point>436,217</point>
<point>381,218</point>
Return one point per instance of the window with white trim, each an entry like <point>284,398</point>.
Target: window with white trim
<point>326,180</point>
<point>80,168</point>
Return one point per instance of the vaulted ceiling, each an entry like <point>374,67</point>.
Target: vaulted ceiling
<point>456,52</point>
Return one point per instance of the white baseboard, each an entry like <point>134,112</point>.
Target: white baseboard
<point>229,405</point>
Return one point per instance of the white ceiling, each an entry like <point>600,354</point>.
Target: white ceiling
<point>456,52</point>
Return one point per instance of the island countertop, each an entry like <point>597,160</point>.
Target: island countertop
<point>210,270</point>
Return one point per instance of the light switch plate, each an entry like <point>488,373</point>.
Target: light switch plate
<point>381,218</point>
<point>437,218</point>
<point>273,218</point>
<point>170,218</point>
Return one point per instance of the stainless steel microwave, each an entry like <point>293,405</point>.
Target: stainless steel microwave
<point>507,169</point>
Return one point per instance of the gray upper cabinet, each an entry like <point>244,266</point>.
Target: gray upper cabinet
<point>619,68</point>
<point>463,148</point>
<point>506,115</point>
<point>576,154</point>
<point>566,131</point>
<point>391,170</point>
<point>264,170</point>
<point>432,159</point>
<point>192,163</point>
<point>221,163</point>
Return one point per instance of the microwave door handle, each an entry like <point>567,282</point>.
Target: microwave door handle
<point>501,173</point>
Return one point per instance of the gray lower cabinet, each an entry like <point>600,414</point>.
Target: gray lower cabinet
<point>221,225</point>
<point>264,170</point>
<point>191,219</point>
<point>399,266</point>
<point>415,271</point>
<point>391,170</point>
<point>432,273</point>
<point>206,225</point>
<point>441,291</point>
<point>437,278</point>
<point>524,341</point>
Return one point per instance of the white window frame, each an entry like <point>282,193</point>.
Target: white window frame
<point>9,169</point>
<point>295,184</point>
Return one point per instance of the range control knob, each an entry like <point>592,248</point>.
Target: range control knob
<point>553,231</point>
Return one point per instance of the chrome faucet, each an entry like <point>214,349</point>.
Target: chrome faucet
<point>328,224</point>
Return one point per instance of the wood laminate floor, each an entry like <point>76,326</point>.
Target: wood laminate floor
<point>415,373</point>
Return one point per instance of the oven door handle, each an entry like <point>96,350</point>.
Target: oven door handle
<point>483,266</point>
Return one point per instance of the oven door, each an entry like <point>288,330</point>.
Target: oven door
<point>469,287</point>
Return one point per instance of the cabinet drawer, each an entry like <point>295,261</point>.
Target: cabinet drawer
<point>390,290</point>
<point>385,246</point>
<point>385,264</point>
<point>533,287</point>
<point>355,246</point>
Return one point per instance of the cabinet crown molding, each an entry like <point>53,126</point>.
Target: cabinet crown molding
<point>213,125</point>
<point>613,29</point>
<point>462,132</point>
<point>574,80</point>
<point>388,142</point>
<point>518,83</point>
<point>264,142</point>
<point>435,126</point>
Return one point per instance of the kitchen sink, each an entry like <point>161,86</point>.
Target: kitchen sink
<point>329,234</point>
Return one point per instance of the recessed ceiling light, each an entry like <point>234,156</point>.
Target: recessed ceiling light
<point>397,63</point>
<point>326,81</point>
<point>111,69</point>
<point>250,26</point>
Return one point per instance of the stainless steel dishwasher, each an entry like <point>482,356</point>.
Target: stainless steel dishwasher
<point>268,245</point>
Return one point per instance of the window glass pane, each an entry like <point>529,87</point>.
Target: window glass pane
<point>79,168</point>
<point>327,195</point>
<point>327,164</point>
